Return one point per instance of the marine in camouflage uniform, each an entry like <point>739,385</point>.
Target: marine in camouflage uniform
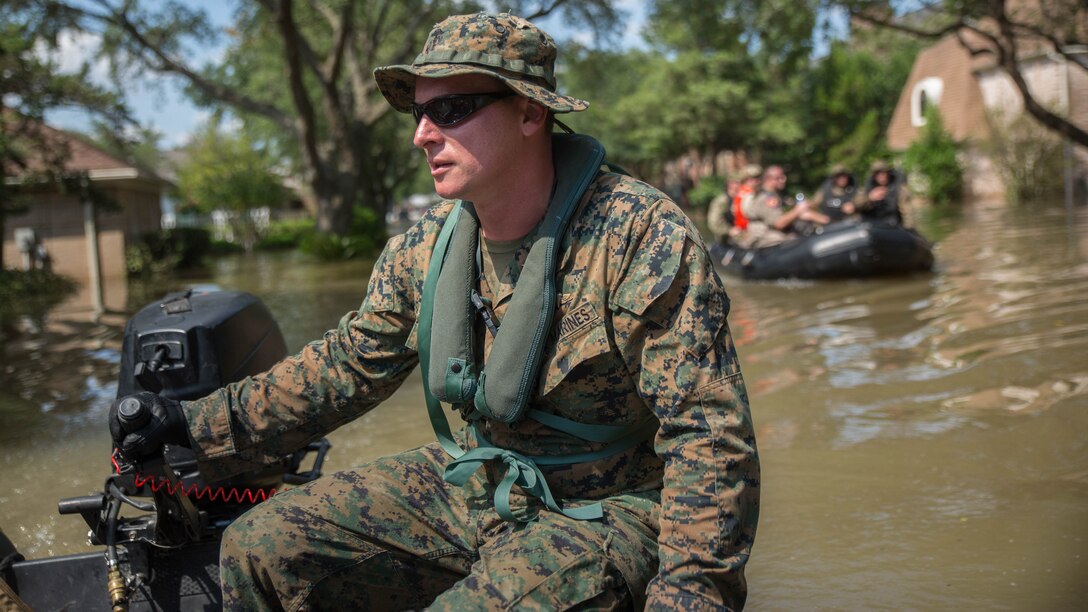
<point>771,220</point>
<point>640,330</point>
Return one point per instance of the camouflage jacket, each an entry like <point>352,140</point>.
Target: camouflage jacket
<point>641,327</point>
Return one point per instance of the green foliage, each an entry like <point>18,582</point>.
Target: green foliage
<point>364,238</point>
<point>231,173</point>
<point>228,172</point>
<point>934,156</point>
<point>647,108</point>
<point>776,34</point>
<point>849,95</point>
<point>707,189</point>
<point>31,83</point>
<point>31,291</point>
<point>224,247</point>
<point>1029,158</point>
<point>862,147</point>
<point>167,250</point>
<point>285,234</point>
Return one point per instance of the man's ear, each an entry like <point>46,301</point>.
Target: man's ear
<point>534,118</point>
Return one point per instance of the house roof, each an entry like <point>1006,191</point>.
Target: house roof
<point>961,106</point>
<point>83,156</point>
<point>961,103</point>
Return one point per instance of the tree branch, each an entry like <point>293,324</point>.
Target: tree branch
<point>307,120</point>
<point>1004,49</point>
<point>166,63</point>
<point>545,10</point>
<point>1060,46</point>
<point>1010,63</point>
<point>899,27</point>
<point>342,35</point>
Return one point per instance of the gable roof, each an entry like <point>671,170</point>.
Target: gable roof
<point>960,104</point>
<point>83,156</point>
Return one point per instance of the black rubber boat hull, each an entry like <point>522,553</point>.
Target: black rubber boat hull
<point>841,250</point>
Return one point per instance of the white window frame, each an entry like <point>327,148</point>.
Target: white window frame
<point>928,89</point>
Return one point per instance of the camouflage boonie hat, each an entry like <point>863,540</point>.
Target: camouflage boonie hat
<point>503,46</point>
<point>880,165</point>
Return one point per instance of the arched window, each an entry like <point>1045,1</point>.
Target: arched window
<point>926,93</point>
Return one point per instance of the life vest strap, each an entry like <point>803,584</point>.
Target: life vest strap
<point>459,378</point>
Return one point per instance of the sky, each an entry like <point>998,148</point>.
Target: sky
<point>159,102</point>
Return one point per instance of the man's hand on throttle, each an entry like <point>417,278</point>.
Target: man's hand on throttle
<point>141,431</point>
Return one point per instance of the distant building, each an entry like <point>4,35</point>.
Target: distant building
<point>57,223</point>
<point>972,92</point>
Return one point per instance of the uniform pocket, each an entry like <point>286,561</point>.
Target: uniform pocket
<point>577,347</point>
<point>586,581</point>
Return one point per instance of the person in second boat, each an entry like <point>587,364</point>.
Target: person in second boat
<point>835,197</point>
<point>772,217</point>
<point>883,197</point>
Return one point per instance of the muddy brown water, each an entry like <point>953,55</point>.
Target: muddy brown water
<point>924,440</point>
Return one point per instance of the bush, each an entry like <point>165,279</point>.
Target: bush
<point>32,291</point>
<point>167,250</point>
<point>1029,159</point>
<point>365,236</point>
<point>934,156</point>
<point>331,247</point>
<point>285,234</point>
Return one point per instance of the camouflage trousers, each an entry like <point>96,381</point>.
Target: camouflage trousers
<point>393,535</point>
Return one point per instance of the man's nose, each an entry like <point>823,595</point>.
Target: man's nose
<point>426,133</point>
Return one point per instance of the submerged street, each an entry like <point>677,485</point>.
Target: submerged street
<point>922,438</point>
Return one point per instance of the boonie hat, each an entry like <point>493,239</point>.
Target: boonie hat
<point>503,46</point>
<point>753,171</point>
<point>880,166</point>
<point>837,169</point>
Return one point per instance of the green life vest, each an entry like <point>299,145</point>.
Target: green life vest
<point>504,389</point>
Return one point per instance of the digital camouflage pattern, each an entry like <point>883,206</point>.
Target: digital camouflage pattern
<point>503,46</point>
<point>641,327</point>
<point>395,536</point>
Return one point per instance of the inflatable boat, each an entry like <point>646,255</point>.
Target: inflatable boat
<point>838,250</point>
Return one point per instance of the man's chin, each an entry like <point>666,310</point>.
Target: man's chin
<point>447,191</point>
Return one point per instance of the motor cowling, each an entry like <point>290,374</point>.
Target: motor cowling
<point>191,343</point>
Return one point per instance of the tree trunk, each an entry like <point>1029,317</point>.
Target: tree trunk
<point>334,207</point>
<point>3,228</point>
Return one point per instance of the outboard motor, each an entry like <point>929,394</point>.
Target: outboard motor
<point>184,346</point>
<point>192,343</point>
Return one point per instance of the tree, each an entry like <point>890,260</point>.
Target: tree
<point>302,72</point>
<point>720,76</point>
<point>31,84</point>
<point>851,94</point>
<point>228,172</point>
<point>1001,30</point>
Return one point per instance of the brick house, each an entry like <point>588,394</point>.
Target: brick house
<point>972,93</point>
<point>59,222</point>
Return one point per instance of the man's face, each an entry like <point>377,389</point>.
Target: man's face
<point>466,160</point>
<point>775,179</point>
<point>842,179</point>
<point>881,177</point>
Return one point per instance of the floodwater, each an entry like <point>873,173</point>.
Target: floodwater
<point>923,439</point>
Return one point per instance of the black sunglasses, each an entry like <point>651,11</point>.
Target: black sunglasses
<point>445,111</point>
